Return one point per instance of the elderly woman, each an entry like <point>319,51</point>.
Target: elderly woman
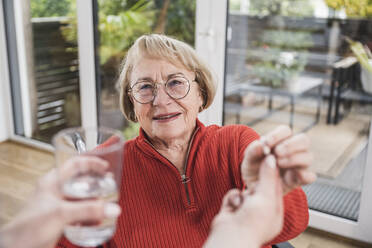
<point>176,172</point>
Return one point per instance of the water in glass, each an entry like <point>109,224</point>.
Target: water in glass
<point>91,186</point>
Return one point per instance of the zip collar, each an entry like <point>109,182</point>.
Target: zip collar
<point>147,148</point>
<point>185,177</point>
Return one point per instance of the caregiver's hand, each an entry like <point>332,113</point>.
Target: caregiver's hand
<point>292,155</point>
<point>42,221</point>
<point>250,220</point>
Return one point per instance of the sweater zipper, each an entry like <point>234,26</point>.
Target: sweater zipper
<point>184,182</point>
<point>184,178</point>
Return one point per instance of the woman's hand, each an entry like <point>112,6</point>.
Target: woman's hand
<point>42,221</point>
<point>250,220</point>
<point>292,155</point>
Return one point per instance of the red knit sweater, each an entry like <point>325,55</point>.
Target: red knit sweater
<point>162,209</point>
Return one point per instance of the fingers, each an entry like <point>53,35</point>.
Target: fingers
<point>82,211</point>
<point>250,164</point>
<point>278,135</point>
<point>268,177</point>
<point>297,143</point>
<point>297,177</point>
<point>232,200</point>
<point>82,164</point>
<point>92,211</point>
<point>293,152</point>
<point>292,156</point>
<point>254,151</point>
<point>301,159</point>
<point>305,176</point>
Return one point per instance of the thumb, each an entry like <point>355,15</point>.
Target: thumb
<point>231,201</point>
<point>249,166</point>
<point>92,211</point>
<point>267,177</point>
<point>253,151</point>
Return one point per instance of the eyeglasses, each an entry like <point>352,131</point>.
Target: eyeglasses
<point>145,91</point>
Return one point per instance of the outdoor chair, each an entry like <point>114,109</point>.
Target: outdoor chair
<point>346,88</point>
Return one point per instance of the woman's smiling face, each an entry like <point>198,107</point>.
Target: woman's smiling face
<point>166,118</point>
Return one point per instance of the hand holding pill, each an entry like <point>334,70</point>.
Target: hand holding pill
<point>292,157</point>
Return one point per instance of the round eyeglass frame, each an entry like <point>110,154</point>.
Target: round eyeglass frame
<point>130,90</point>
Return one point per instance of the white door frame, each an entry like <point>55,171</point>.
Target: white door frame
<point>24,68</point>
<point>210,33</point>
<point>87,71</point>
<point>6,127</point>
<point>210,44</point>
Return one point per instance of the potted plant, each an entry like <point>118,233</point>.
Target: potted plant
<point>281,57</point>
<point>364,56</point>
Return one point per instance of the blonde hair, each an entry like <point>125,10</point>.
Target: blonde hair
<point>175,52</point>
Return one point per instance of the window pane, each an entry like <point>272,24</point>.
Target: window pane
<point>56,65</point>
<point>120,23</point>
<point>46,88</point>
<point>282,57</point>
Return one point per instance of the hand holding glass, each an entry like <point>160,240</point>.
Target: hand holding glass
<point>89,162</point>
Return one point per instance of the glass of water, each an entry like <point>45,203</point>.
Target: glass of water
<point>96,155</point>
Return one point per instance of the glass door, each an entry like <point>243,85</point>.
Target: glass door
<point>292,62</point>
<point>43,63</point>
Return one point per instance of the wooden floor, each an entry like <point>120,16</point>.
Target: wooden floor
<point>312,238</point>
<point>21,166</point>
